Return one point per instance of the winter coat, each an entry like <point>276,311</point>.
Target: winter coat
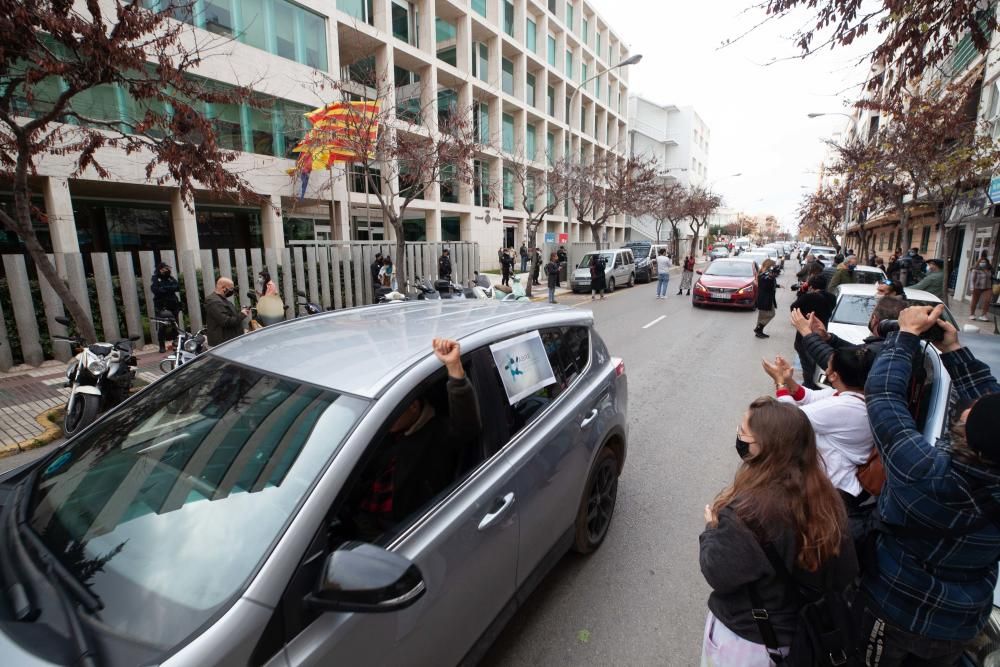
<point>444,267</point>
<point>223,320</point>
<point>598,280</point>
<point>841,276</point>
<point>766,286</point>
<point>552,273</point>
<point>933,282</point>
<point>165,293</point>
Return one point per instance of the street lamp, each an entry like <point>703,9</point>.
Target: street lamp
<point>631,60</point>
<point>847,194</point>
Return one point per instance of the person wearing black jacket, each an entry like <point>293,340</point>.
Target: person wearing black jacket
<point>506,267</point>
<point>444,265</point>
<point>224,322</point>
<point>819,303</point>
<point>537,269</point>
<point>552,273</point>
<point>166,303</point>
<point>523,252</point>
<point>766,300</point>
<point>374,269</point>
<point>423,453</point>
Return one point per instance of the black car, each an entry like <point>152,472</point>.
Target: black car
<point>644,269</point>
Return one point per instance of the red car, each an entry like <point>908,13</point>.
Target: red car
<point>727,282</point>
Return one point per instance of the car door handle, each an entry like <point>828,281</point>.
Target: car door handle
<point>589,419</point>
<point>500,507</point>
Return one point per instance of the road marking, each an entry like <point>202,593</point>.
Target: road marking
<point>661,317</point>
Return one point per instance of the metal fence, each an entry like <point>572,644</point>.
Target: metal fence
<point>116,292</point>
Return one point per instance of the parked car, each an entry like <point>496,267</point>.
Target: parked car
<point>619,269</point>
<point>645,260</point>
<point>213,517</point>
<point>727,282</point>
<point>825,251</point>
<point>866,275</point>
<point>719,252</point>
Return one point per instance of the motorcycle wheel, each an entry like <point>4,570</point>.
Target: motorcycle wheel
<point>85,409</point>
<point>168,365</point>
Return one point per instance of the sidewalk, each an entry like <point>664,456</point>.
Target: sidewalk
<point>28,394</point>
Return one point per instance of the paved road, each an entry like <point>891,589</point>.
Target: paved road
<point>640,600</point>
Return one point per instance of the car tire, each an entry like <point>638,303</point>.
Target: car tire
<point>631,280</point>
<point>597,506</point>
<point>611,285</point>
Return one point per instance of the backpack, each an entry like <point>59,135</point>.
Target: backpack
<point>825,634</point>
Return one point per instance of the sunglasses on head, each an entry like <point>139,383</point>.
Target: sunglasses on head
<point>885,281</point>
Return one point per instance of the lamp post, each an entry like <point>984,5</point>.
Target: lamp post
<point>847,192</point>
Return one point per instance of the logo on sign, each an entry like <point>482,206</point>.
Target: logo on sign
<point>513,367</point>
<point>550,237</point>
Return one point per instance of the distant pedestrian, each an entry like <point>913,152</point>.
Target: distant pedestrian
<point>224,321</point>
<point>662,273</point>
<point>444,265</point>
<point>844,275</point>
<point>981,284</point>
<point>819,303</point>
<point>563,257</point>
<point>766,300</point>
<point>552,274</point>
<point>374,269</point>
<point>267,286</point>
<point>166,303</point>
<point>933,282</point>
<point>598,281</point>
<point>537,268</point>
<point>385,275</point>
<point>506,267</point>
<point>523,252</point>
<point>687,275</point>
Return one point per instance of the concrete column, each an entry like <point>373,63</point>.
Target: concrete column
<point>271,225</point>
<point>59,210</point>
<point>432,225</point>
<point>185,224</point>
<point>428,27</point>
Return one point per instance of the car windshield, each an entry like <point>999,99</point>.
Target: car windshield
<point>857,309</point>
<point>609,258</point>
<point>165,508</point>
<point>730,269</point>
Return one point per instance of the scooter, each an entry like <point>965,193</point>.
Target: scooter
<point>308,307</point>
<point>100,377</point>
<point>187,346</point>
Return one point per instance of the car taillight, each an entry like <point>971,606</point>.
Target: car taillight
<point>619,367</point>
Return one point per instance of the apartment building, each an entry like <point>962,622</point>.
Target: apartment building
<point>679,140</point>
<point>518,65</point>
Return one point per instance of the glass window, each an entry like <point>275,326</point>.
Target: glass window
<point>529,194</point>
<point>481,186</point>
<point>261,132</point>
<point>299,229</point>
<point>508,17</point>
<point>359,9</point>
<point>481,120</point>
<point>552,6</point>
<point>597,37</point>
<point>446,35</point>
<point>508,188</point>
<point>226,120</point>
<point>97,103</point>
<point>551,50</point>
<point>583,72</point>
<point>507,76</point>
<point>218,16</point>
<point>550,147</point>
<point>529,91</point>
<point>313,39</point>
<point>550,101</point>
<point>482,70</point>
<point>447,101</point>
<point>508,133</point>
<point>584,30</point>
<point>530,35</point>
<point>451,229</point>
<point>220,455</point>
<point>138,228</point>
<point>529,142</point>
<point>479,6</point>
<point>925,239</point>
<point>569,16</point>
<point>401,21</point>
<point>284,30</point>
<point>569,64</point>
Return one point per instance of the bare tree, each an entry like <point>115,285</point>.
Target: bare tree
<point>403,147</point>
<point>55,56</point>
<point>667,206</point>
<point>701,204</point>
<point>821,213</point>
<point>542,192</point>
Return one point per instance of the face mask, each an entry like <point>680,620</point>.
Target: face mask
<point>228,293</point>
<point>850,268</point>
<point>982,265</point>
<point>742,448</point>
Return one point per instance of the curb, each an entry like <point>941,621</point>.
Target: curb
<point>51,431</point>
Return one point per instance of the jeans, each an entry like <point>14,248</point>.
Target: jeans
<point>885,645</point>
<point>552,295</point>
<point>524,264</point>
<point>661,283</point>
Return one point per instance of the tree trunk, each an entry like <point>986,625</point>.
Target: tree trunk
<point>399,265</point>
<point>22,227</point>
<point>675,242</point>
<point>595,232</point>
<point>532,233</point>
<point>694,241</point>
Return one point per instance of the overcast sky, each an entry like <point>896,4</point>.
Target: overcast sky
<point>755,112</point>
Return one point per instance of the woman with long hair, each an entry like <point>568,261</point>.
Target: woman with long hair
<point>981,284</point>
<point>687,274</point>
<point>782,500</point>
<point>267,286</point>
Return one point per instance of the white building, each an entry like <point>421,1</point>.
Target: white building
<point>679,140</point>
<point>515,63</point>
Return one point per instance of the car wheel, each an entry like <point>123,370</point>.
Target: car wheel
<point>611,285</point>
<point>631,280</point>
<point>598,504</point>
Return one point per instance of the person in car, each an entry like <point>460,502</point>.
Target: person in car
<point>423,451</point>
<point>931,591</point>
<point>819,303</point>
<point>933,282</point>
<point>820,344</point>
<point>766,299</point>
<point>782,497</point>
<point>839,418</point>
<point>844,275</point>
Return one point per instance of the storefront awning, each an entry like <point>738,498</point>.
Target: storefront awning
<point>971,207</point>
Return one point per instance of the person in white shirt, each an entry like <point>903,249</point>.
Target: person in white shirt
<point>838,415</point>
<point>663,273</point>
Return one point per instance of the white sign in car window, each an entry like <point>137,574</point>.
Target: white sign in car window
<point>523,365</point>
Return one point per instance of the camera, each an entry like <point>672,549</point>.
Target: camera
<point>933,335</point>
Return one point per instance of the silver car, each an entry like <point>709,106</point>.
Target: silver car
<point>619,269</point>
<point>224,515</point>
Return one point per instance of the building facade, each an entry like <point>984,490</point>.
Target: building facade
<point>516,65</point>
<point>678,139</point>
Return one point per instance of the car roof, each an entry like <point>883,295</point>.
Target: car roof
<point>860,267</point>
<point>869,290</point>
<point>362,351</point>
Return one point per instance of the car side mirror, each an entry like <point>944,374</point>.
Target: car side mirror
<point>62,320</point>
<point>364,578</point>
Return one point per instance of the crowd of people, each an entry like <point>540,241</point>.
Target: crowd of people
<point>846,537</point>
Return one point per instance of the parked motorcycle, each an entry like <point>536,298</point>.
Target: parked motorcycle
<point>307,306</point>
<point>100,377</point>
<point>187,346</point>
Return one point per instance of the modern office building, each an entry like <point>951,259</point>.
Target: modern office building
<point>516,65</point>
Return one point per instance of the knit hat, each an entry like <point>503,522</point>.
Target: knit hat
<point>982,428</point>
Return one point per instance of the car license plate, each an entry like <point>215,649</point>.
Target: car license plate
<point>723,296</point>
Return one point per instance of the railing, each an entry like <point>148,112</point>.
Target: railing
<point>115,290</point>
